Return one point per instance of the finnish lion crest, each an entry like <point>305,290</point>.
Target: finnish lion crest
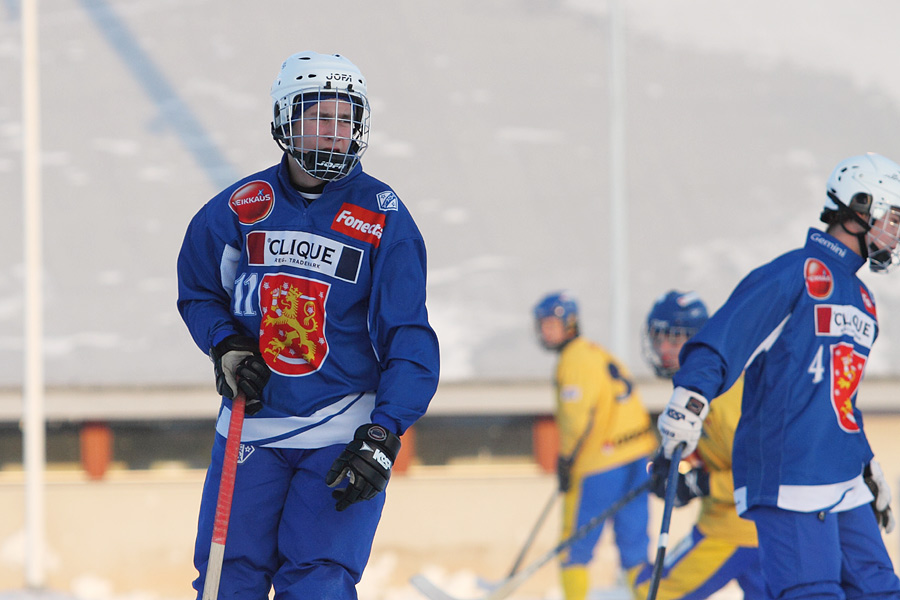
<point>292,329</point>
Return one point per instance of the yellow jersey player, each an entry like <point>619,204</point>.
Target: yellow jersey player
<point>606,439</point>
<point>721,546</point>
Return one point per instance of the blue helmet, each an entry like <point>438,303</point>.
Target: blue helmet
<point>557,304</point>
<point>561,305</point>
<point>676,315</point>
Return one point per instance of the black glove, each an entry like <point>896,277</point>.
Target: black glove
<point>239,366</point>
<point>878,485</point>
<point>689,485</point>
<point>366,463</point>
<point>564,473</point>
<point>659,472</point>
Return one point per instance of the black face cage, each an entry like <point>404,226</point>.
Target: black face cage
<point>650,340</point>
<point>325,142</point>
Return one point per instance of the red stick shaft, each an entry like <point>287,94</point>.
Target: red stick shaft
<point>223,502</point>
<point>229,470</point>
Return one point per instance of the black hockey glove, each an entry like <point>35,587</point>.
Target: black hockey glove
<point>874,478</point>
<point>366,463</point>
<point>239,366</point>
<point>689,485</point>
<point>564,473</point>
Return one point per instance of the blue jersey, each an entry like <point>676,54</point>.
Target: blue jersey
<point>334,289</point>
<point>802,326</point>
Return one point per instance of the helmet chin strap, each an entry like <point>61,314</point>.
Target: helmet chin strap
<point>860,238</point>
<point>860,235</point>
<point>879,258</point>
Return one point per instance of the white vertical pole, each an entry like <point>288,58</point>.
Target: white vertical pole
<point>33,388</point>
<point>619,323</point>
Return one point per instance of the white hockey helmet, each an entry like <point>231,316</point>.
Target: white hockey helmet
<point>305,79</point>
<point>868,184</point>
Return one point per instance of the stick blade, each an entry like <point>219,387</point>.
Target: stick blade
<point>428,589</point>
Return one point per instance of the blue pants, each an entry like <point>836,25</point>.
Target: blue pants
<point>595,494</point>
<point>284,529</point>
<point>823,555</point>
<point>699,566</point>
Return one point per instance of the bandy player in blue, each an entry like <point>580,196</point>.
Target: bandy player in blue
<point>803,326</point>
<point>305,283</point>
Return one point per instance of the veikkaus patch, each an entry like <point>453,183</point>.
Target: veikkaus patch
<point>252,202</point>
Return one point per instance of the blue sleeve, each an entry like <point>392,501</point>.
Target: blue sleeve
<point>868,452</point>
<point>203,301</point>
<point>404,342</point>
<point>715,357</point>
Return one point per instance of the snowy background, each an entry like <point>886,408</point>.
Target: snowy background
<point>490,119</point>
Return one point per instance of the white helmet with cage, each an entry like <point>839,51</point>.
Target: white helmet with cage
<point>326,143</point>
<point>868,184</point>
